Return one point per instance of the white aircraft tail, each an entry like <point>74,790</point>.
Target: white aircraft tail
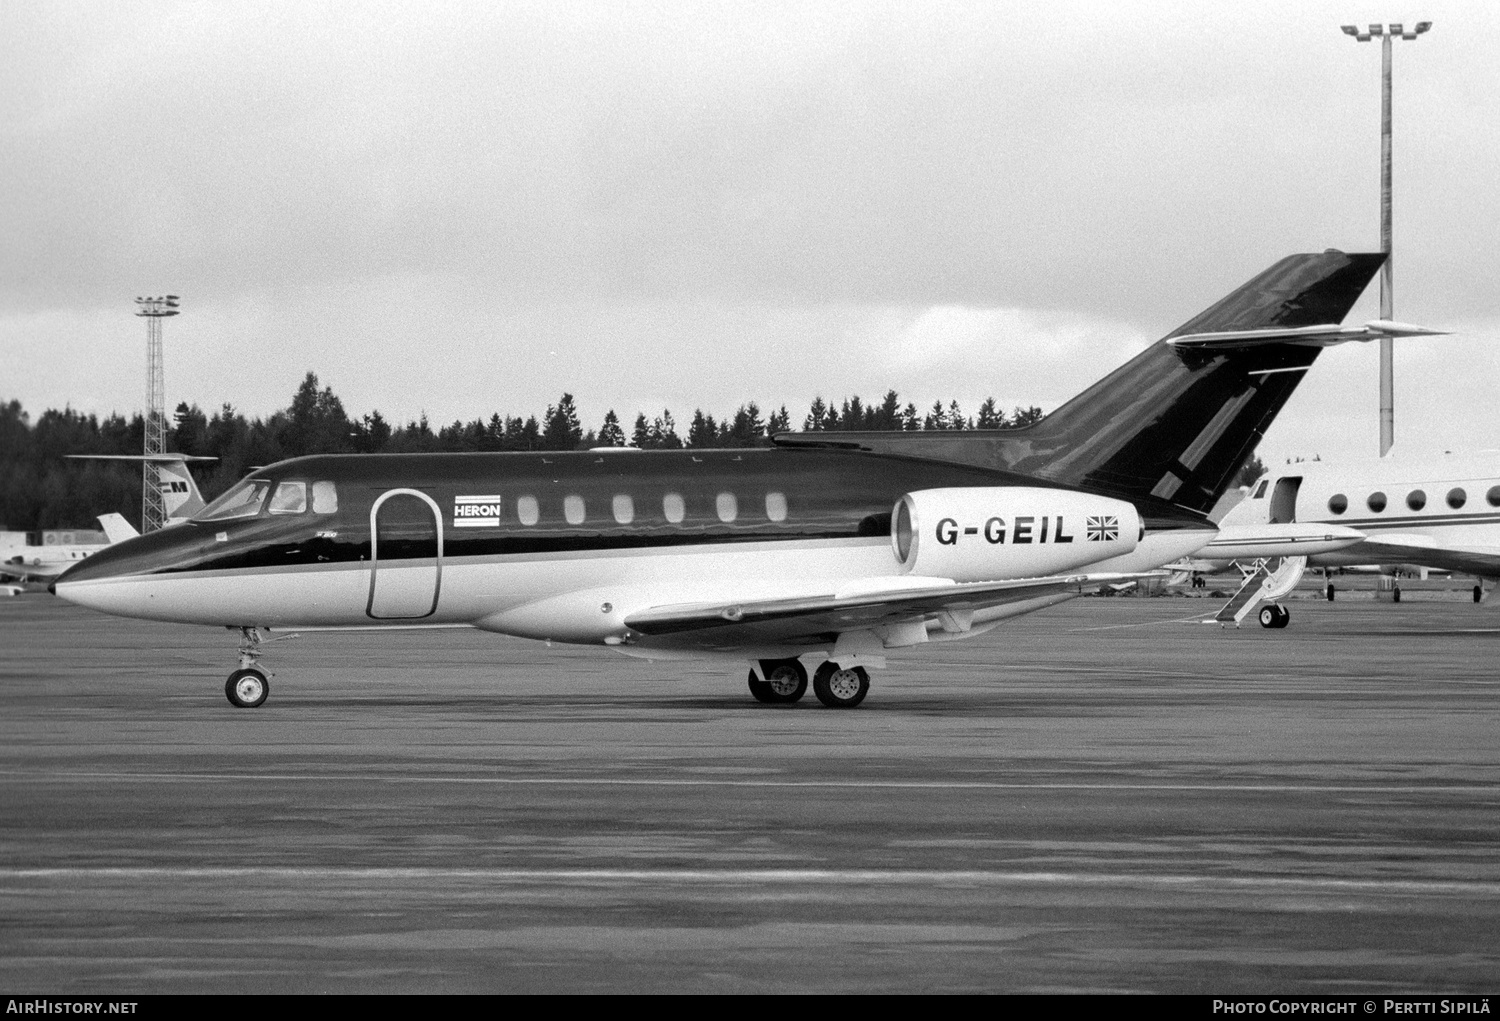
<point>116,528</point>
<point>179,493</point>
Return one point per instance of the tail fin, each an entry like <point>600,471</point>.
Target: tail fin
<point>1178,420</point>
<point>116,528</point>
<point>179,493</point>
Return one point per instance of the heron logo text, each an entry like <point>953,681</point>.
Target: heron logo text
<point>476,511</point>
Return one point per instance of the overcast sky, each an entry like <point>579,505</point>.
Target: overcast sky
<point>468,208</point>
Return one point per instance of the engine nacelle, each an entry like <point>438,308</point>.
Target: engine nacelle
<point>997,532</point>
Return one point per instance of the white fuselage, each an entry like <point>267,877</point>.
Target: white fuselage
<point>1440,511</point>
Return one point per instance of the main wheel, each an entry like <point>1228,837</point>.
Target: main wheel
<point>785,681</point>
<point>841,688</point>
<point>1283,617</point>
<point>1268,616</point>
<point>247,688</point>
<point>1478,593</point>
<point>1395,593</point>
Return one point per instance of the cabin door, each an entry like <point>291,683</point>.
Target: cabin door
<point>406,556</point>
<point>1284,500</point>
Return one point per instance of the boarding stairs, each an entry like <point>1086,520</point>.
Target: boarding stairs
<point>1265,580</point>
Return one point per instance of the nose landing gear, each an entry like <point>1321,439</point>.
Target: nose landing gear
<point>248,686</point>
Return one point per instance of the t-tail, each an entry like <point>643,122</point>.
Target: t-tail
<point>1177,421</point>
<point>179,492</point>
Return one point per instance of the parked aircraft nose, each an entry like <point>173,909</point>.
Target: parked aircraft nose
<point>119,579</point>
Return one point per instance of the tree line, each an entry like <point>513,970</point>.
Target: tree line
<point>41,488</point>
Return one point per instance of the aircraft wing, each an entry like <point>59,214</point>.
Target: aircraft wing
<point>1392,549</point>
<point>18,568</point>
<point>1240,542</point>
<point>820,618</point>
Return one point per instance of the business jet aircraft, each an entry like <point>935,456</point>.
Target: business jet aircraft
<point>1407,512</point>
<point>832,548</point>
<point>43,556</point>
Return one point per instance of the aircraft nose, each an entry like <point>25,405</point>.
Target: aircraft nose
<point>115,580</point>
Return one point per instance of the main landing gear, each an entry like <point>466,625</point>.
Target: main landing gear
<point>786,681</point>
<point>248,686</point>
<point>1275,615</point>
<point>841,688</point>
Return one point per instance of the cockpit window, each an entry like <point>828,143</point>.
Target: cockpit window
<point>1260,490</point>
<point>290,498</point>
<point>242,501</point>
<point>325,498</point>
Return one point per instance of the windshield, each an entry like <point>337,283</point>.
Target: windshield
<point>243,501</point>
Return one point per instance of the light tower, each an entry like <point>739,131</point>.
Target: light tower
<point>1386,34</point>
<point>153,508</point>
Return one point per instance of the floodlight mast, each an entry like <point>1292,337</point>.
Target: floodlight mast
<point>153,505</point>
<point>1386,33</point>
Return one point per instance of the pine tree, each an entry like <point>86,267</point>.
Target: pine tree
<point>814,421</point>
<point>779,422</point>
<point>990,416</point>
<point>610,434</point>
<point>703,431</point>
<point>562,431</point>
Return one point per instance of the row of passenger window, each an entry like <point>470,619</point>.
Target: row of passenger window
<point>623,510</point>
<point>1416,500</point>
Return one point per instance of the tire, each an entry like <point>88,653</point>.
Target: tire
<point>1268,616</point>
<point>1283,617</point>
<point>247,689</point>
<point>841,689</point>
<point>785,681</point>
<point>1330,591</point>
<point>1396,594</point>
<point>1478,593</point>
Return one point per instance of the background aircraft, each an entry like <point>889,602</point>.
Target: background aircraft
<point>1436,512</point>
<point>179,492</point>
<point>45,554</point>
<point>49,555</point>
<point>830,547</point>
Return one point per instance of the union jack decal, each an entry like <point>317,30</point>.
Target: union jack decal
<point>1103,528</point>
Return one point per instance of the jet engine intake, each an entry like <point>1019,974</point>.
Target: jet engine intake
<point>993,533</point>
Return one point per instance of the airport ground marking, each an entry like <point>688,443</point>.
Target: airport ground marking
<point>540,781</point>
<point>845,877</point>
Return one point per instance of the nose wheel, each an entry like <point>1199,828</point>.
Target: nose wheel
<point>247,688</point>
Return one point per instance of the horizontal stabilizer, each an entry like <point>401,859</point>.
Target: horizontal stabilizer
<point>1325,335</point>
<point>139,458</point>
